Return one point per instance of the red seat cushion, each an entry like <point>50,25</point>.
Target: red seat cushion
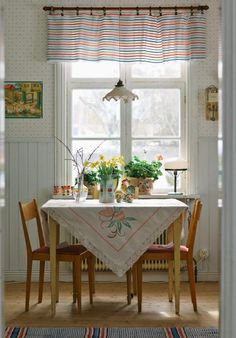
<point>165,248</point>
<point>74,249</point>
<point>44,250</point>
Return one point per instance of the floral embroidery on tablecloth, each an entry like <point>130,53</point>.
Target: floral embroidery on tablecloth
<point>115,220</point>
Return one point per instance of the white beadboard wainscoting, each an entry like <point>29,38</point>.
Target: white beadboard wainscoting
<point>30,174</point>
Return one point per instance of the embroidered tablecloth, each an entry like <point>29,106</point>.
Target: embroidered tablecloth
<point>117,233</point>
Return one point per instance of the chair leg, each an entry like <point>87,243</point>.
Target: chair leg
<point>74,283</point>
<point>41,280</point>
<point>134,275</point>
<point>192,282</point>
<point>139,283</point>
<point>128,280</point>
<point>78,283</point>
<point>28,283</point>
<point>93,260</point>
<point>170,280</point>
<point>91,267</point>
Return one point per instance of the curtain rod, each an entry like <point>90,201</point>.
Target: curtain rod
<point>120,9</point>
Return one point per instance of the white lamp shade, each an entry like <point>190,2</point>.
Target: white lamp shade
<point>119,92</point>
<point>176,165</point>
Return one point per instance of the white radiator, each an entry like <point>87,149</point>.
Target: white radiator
<point>148,265</point>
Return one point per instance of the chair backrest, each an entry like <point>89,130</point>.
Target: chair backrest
<point>193,224</point>
<point>28,212</point>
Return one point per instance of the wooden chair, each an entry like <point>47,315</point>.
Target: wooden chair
<point>166,252</point>
<point>70,253</point>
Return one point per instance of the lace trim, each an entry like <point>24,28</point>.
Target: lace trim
<point>121,269</point>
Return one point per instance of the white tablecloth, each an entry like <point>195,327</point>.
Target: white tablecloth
<point>117,233</point>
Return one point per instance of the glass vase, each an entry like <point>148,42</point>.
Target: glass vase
<point>107,193</point>
<point>81,191</point>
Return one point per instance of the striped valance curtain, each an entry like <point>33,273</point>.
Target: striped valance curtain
<point>126,38</point>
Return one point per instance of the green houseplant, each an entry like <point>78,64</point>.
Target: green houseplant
<point>91,181</point>
<point>142,173</point>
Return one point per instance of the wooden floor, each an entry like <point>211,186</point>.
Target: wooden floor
<point>110,308</point>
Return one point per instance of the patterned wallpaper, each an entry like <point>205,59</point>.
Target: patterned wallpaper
<point>25,52</point>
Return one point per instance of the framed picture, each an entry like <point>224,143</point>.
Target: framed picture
<point>23,99</point>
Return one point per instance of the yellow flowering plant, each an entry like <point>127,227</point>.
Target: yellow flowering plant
<point>109,167</point>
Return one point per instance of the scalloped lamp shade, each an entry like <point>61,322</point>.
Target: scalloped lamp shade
<point>120,93</point>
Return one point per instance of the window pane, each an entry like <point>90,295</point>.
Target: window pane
<point>101,69</point>
<point>159,70</point>
<point>150,149</point>
<point>91,117</point>
<point>156,113</point>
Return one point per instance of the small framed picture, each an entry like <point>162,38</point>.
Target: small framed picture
<point>23,99</point>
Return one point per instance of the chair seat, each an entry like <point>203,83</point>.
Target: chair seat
<point>161,248</point>
<point>74,249</point>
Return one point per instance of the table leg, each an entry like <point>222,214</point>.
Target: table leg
<point>53,237</point>
<point>177,232</point>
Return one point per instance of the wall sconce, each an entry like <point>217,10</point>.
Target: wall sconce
<point>212,103</point>
<point>176,168</point>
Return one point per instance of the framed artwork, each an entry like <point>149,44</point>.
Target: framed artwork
<point>23,99</point>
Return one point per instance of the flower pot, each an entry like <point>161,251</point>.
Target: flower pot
<point>145,185</point>
<point>92,189</point>
<point>107,191</point>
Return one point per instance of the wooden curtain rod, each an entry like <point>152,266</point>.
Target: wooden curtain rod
<point>120,9</point>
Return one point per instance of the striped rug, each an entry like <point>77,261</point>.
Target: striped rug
<point>77,332</point>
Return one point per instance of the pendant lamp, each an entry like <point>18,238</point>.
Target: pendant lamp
<point>119,92</point>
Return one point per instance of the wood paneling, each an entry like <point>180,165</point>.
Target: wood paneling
<point>29,174</point>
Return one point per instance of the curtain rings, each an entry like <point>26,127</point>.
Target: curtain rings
<point>62,11</point>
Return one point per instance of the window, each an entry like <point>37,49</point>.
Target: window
<point>153,125</point>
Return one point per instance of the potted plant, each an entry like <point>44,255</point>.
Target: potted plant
<point>142,173</point>
<point>90,181</point>
<point>108,174</point>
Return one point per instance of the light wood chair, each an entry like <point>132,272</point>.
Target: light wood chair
<point>70,253</point>
<point>166,252</point>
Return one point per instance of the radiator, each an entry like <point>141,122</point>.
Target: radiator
<point>148,265</point>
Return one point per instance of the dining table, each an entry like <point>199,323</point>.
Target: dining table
<point>116,233</point>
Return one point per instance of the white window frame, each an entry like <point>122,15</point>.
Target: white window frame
<point>63,108</point>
